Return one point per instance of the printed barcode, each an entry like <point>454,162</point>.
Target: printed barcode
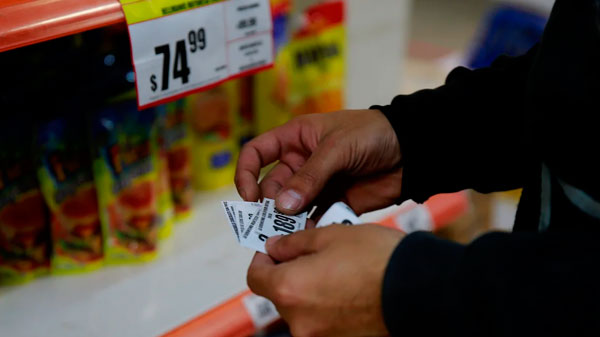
<point>261,310</point>
<point>252,223</point>
<point>263,215</point>
<point>241,223</point>
<point>231,219</point>
<point>265,309</point>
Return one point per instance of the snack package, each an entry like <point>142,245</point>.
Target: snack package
<point>66,181</point>
<point>316,58</point>
<point>215,147</point>
<point>308,75</point>
<point>177,142</point>
<point>270,87</point>
<point>24,221</point>
<point>126,172</point>
<point>166,207</point>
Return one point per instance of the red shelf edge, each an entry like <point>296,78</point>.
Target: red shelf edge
<point>25,22</point>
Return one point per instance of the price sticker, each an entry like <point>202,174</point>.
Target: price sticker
<point>182,47</point>
<point>261,310</point>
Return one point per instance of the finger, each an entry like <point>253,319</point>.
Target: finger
<point>289,247</point>
<point>255,155</point>
<point>273,182</point>
<point>259,276</point>
<point>310,224</point>
<point>302,188</point>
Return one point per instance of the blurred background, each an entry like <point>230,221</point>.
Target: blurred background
<point>110,222</point>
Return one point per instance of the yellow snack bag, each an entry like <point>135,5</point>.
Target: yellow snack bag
<point>126,170</point>
<point>66,181</point>
<point>211,116</point>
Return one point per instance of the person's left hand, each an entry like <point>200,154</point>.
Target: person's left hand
<point>328,280</point>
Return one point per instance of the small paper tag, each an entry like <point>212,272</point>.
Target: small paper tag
<point>272,223</point>
<point>339,213</point>
<point>261,310</point>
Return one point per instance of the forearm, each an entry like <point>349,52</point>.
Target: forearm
<point>501,284</point>
<point>468,133</point>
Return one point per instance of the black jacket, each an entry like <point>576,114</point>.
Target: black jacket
<point>524,122</point>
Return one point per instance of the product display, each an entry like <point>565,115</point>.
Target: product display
<point>177,143</point>
<point>113,174</point>
<point>166,207</point>
<point>270,93</point>
<point>308,75</point>
<point>127,174</point>
<point>24,222</point>
<point>66,180</point>
<point>211,116</point>
<point>316,60</point>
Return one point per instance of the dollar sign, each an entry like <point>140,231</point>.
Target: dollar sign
<point>153,81</point>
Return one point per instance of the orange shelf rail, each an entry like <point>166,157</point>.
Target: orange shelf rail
<point>26,22</point>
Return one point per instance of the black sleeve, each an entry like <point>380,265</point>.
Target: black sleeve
<point>468,133</point>
<point>502,284</point>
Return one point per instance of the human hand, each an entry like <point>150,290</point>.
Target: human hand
<point>329,280</point>
<point>354,153</point>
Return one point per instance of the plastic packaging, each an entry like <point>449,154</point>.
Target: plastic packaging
<point>317,60</point>
<point>215,146</point>
<point>271,87</point>
<point>67,184</point>
<point>165,199</point>
<point>24,222</point>
<point>127,177</point>
<point>309,71</point>
<point>177,142</point>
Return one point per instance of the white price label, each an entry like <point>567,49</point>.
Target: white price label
<point>261,310</point>
<point>417,218</point>
<point>180,53</point>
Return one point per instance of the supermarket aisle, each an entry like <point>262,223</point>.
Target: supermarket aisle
<point>440,34</point>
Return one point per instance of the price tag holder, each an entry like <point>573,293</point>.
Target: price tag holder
<point>183,46</point>
<point>261,311</point>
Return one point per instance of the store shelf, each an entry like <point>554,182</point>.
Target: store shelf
<point>195,287</point>
<point>25,22</point>
<point>200,266</point>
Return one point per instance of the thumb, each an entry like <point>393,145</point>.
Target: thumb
<point>289,247</point>
<point>306,183</point>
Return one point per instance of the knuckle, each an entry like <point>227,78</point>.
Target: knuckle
<point>307,178</point>
<point>284,292</point>
<point>237,180</point>
<point>283,296</point>
<point>314,241</point>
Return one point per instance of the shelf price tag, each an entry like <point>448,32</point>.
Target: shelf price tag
<point>183,46</point>
<point>261,310</point>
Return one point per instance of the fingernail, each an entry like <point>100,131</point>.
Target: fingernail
<point>243,194</point>
<point>289,200</point>
<point>271,241</point>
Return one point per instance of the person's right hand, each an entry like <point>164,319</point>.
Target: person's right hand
<point>352,156</point>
